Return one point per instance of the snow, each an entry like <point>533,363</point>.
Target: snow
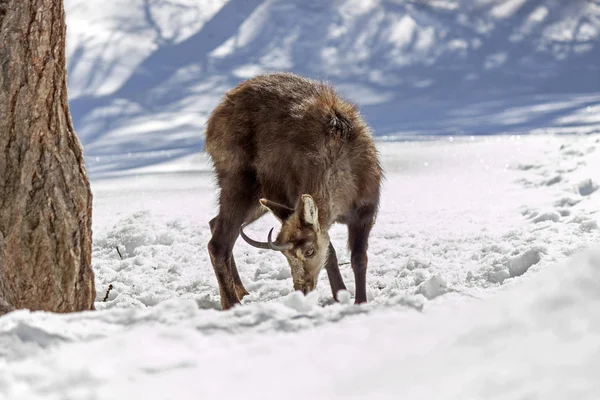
<point>484,266</point>
<point>433,287</point>
<point>467,296</point>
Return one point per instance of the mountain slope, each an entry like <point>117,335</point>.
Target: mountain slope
<point>144,74</point>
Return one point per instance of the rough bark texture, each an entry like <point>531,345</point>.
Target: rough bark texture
<point>45,197</point>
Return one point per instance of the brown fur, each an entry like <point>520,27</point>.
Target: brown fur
<point>278,137</point>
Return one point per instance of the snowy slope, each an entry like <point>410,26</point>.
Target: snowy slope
<point>481,281</point>
<point>144,74</point>
<point>537,341</point>
<point>470,294</point>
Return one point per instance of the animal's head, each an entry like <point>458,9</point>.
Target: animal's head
<point>300,239</point>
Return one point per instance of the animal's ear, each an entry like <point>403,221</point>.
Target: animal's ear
<point>309,213</point>
<point>280,211</point>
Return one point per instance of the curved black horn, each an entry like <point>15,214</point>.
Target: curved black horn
<point>270,245</point>
<point>252,242</point>
<point>277,246</point>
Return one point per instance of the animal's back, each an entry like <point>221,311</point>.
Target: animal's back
<point>271,109</point>
<point>294,134</point>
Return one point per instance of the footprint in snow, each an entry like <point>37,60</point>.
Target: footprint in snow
<point>527,167</point>
<point>552,181</point>
<point>520,264</point>
<point>513,267</point>
<point>566,201</point>
<point>587,187</point>
<point>550,215</point>
<point>573,152</point>
<point>586,222</point>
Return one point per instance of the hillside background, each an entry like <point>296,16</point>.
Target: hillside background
<point>145,74</point>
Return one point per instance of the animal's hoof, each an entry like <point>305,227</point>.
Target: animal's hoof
<point>241,292</point>
<point>228,302</point>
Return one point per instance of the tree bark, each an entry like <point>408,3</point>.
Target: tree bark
<point>45,196</point>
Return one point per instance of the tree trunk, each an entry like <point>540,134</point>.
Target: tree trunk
<point>45,197</point>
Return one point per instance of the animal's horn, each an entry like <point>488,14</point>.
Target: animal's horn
<point>252,242</point>
<point>270,245</point>
<point>277,246</point>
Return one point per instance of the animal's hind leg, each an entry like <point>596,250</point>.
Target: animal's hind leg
<point>240,290</point>
<point>235,206</point>
<point>359,227</point>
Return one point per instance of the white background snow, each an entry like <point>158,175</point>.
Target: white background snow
<point>484,272</point>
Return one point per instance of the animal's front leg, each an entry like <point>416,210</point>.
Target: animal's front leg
<point>234,209</point>
<point>220,262</point>
<point>359,228</point>
<point>333,272</point>
<point>225,275</point>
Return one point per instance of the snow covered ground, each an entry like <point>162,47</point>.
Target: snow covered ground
<point>470,293</point>
<point>484,266</point>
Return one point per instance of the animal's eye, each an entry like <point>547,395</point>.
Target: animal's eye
<point>308,253</point>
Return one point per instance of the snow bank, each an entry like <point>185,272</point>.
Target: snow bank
<point>539,339</point>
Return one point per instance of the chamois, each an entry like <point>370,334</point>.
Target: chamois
<point>292,145</point>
